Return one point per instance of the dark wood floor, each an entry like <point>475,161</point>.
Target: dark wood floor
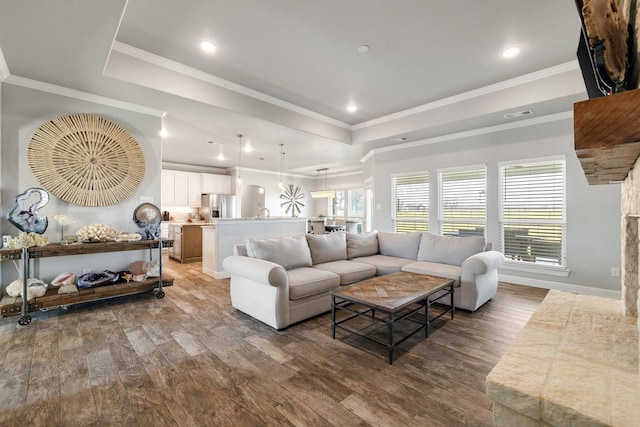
<point>190,359</point>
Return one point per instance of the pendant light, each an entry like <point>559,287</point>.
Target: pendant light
<point>324,192</point>
<point>281,183</point>
<point>239,178</point>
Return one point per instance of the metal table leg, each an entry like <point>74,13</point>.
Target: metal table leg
<point>160,293</point>
<point>25,318</point>
<point>333,317</point>
<point>390,338</point>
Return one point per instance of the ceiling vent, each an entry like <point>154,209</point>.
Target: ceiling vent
<point>518,114</point>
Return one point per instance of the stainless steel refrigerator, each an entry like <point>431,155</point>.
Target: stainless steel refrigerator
<point>218,206</point>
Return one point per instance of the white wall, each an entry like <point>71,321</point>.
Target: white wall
<point>23,111</point>
<point>593,212</point>
<point>270,180</point>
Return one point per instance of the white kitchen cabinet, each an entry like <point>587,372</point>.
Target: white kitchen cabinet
<point>194,190</point>
<point>168,188</point>
<point>224,184</point>
<point>181,188</point>
<point>215,184</point>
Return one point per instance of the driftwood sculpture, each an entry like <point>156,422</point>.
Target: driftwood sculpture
<point>606,28</point>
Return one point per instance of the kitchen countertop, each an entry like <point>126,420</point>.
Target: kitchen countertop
<point>186,223</point>
<point>268,218</point>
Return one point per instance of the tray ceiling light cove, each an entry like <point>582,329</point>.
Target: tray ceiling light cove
<point>86,160</point>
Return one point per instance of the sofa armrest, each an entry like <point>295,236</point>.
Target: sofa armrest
<point>256,270</point>
<point>483,262</point>
<point>260,289</point>
<point>478,279</point>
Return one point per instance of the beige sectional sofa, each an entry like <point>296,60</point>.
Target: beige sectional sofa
<point>286,280</point>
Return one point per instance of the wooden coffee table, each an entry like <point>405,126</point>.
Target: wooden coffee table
<point>389,299</point>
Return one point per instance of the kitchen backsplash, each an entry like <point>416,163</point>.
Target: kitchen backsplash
<point>181,213</point>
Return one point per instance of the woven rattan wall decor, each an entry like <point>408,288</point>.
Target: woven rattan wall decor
<point>86,160</point>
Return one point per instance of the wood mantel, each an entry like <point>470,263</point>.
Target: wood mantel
<point>607,136</point>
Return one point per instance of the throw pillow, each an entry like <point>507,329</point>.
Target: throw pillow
<point>452,250</point>
<point>327,247</point>
<point>289,252</point>
<point>362,244</point>
<point>401,245</point>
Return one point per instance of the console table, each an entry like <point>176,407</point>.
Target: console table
<point>16,305</point>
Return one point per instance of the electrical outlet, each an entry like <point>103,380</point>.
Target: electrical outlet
<point>615,272</point>
<point>86,270</point>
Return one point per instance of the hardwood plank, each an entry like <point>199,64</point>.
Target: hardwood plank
<point>191,359</point>
<point>102,369</point>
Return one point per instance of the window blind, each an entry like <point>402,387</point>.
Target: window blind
<point>411,203</point>
<point>463,201</point>
<point>533,212</point>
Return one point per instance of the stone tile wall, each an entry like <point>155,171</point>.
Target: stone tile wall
<point>574,364</point>
<point>630,241</point>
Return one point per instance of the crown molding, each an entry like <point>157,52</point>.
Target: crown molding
<point>473,132</point>
<point>177,67</point>
<point>83,96</point>
<point>486,90</point>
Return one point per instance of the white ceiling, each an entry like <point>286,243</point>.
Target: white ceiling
<point>286,69</point>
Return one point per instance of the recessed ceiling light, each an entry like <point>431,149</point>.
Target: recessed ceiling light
<point>221,157</point>
<point>363,48</point>
<point>163,133</point>
<point>511,52</point>
<point>208,46</point>
<point>352,108</point>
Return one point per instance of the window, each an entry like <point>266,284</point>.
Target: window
<point>336,204</point>
<point>533,212</point>
<point>463,201</point>
<point>411,203</point>
<point>347,204</point>
<point>347,207</point>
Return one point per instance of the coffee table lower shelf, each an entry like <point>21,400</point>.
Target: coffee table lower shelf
<point>416,310</point>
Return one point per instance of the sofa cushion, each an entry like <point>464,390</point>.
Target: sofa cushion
<point>289,252</point>
<point>327,247</point>
<point>435,269</point>
<point>349,271</point>
<point>384,264</point>
<point>362,244</point>
<point>449,249</point>
<point>240,249</point>
<point>307,281</point>
<point>401,245</point>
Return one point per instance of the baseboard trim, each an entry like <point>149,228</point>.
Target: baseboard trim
<point>566,287</point>
<point>215,274</point>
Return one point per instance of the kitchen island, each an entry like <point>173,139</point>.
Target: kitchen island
<point>187,238</point>
<point>219,237</point>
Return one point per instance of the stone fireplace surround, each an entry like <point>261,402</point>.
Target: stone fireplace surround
<point>576,362</point>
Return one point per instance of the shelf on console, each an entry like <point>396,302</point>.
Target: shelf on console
<point>10,306</point>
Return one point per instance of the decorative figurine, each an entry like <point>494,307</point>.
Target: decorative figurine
<point>147,217</point>
<point>62,220</point>
<point>29,219</point>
